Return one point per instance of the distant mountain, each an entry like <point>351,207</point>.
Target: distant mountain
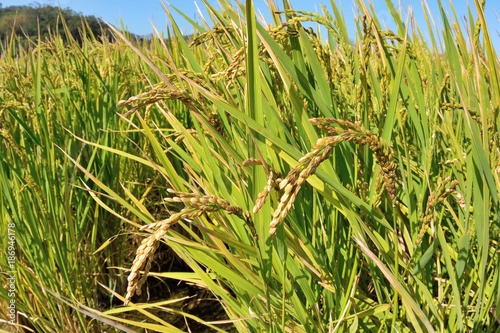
<point>25,21</point>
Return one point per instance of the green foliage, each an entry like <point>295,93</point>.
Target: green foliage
<point>46,95</point>
<point>46,21</point>
<point>310,186</point>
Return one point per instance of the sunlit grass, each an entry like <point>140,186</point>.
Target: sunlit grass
<point>310,186</point>
<point>48,93</point>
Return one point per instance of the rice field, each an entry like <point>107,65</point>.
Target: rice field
<point>253,178</point>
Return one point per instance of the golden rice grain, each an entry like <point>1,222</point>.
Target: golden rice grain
<point>196,205</point>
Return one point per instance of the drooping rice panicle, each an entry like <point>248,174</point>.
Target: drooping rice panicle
<point>292,183</point>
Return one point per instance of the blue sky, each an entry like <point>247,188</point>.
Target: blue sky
<point>138,15</point>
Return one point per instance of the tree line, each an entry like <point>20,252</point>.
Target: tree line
<point>34,21</point>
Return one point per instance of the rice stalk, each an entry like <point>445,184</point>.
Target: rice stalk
<point>292,183</point>
<point>196,206</point>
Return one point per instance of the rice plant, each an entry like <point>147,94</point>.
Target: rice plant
<point>312,181</point>
<point>49,94</point>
